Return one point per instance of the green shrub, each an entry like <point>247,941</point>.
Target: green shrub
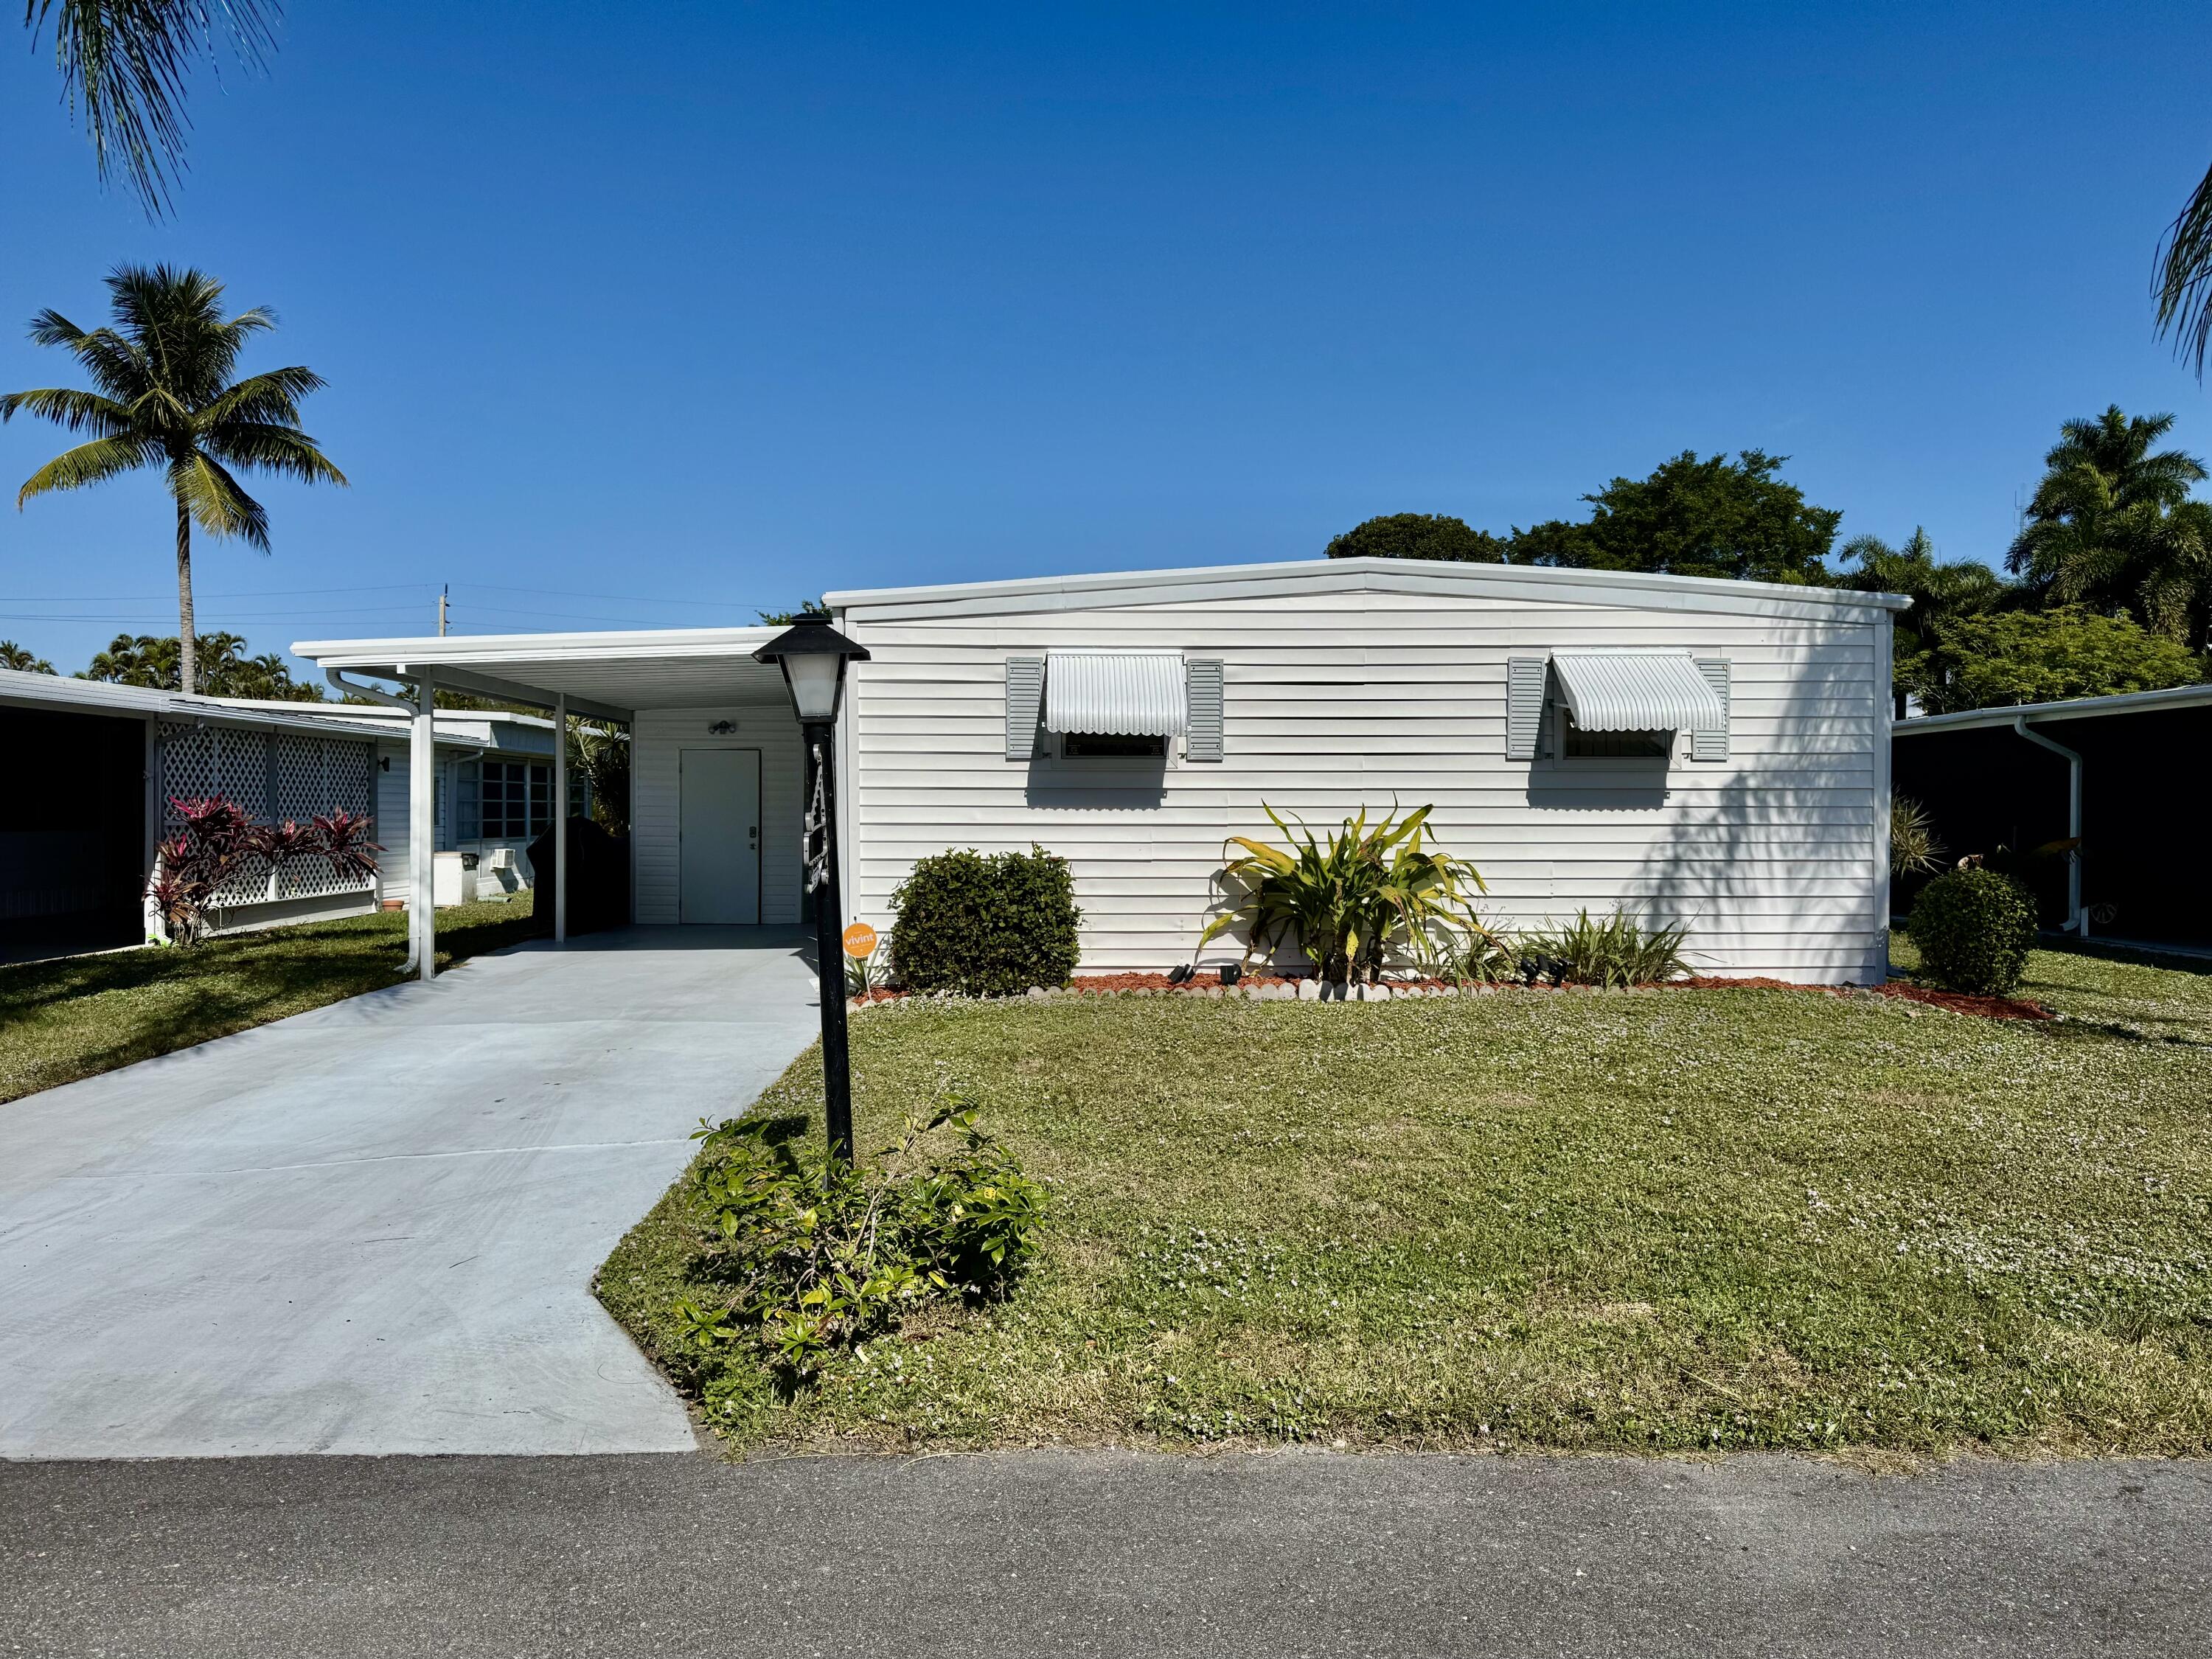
<point>985,925</point>
<point>806,1256</point>
<point>1616,951</point>
<point>1973,929</point>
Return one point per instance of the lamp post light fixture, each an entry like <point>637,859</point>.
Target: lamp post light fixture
<point>812,655</point>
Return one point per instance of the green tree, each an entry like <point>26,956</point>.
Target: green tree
<point>225,670</point>
<point>2112,526</point>
<point>812,608</point>
<point>2004,657</point>
<point>22,658</point>
<point>1418,536</point>
<point>124,63</point>
<point>1694,517</point>
<point>166,399</point>
<point>1941,590</point>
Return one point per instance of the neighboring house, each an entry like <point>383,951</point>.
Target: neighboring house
<point>96,767</point>
<point>2130,777</point>
<point>1705,752</point>
<point>493,791</point>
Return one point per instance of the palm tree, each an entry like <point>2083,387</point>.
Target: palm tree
<point>2185,277</point>
<point>124,63</point>
<point>166,399</point>
<point>2112,526</point>
<point>1941,590</point>
<point>22,658</point>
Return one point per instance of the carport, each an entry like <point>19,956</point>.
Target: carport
<point>717,769</point>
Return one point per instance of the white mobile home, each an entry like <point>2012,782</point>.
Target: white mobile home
<point>1711,753</point>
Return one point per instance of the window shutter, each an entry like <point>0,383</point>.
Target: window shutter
<point>1202,740</point>
<point>1024,704</point>
<point>472,827</point>
<point>1713,746</point>
<point>1526,678</point>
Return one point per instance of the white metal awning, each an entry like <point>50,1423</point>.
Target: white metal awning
<point>1123,694</point>
<point>1637,692</point>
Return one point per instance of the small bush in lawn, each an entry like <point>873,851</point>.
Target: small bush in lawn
<point>809,1256</point>
<point>1973,929</point>
<point>986,924</point>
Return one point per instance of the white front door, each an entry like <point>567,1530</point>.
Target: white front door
<point>720,834</point>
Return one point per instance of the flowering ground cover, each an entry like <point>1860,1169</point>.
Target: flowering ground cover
<point>1669,1220</point>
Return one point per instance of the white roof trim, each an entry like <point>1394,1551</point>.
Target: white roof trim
<point>1294,576</point>
<point>2073,708</point>
<point>490,650</point>
<point>1637,692</point>
<point>1123,694</point>
<point>19,690</point>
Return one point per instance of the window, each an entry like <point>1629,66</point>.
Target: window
<point>1100,745</point>
<point>518,800</point>
<point>1576,743</point>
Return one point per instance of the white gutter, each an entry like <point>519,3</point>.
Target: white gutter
<point>2077,919</point>
<point>362,688</point>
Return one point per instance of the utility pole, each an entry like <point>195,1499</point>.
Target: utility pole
<point>442,593</point>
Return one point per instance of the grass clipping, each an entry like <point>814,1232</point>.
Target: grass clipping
<point>1669,1220</point>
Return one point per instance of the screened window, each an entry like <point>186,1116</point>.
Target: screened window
<point>1103,745</point>
<point>1575,742</point>
<point>518,800</point>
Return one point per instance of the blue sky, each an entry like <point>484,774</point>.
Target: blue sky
<point>658,314</point>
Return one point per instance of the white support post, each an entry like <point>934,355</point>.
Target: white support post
<point>421,827</point>
<point>559,819</point>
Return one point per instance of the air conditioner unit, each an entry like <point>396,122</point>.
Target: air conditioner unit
<point>500,858</point>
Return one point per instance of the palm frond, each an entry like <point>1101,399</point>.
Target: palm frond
<point>90,464</point>
<point>2184,277</point>
<point>71,410</point>
<point>271,448</point>
<point>271,396</point>
<point>123,64</point>
<point>218,502</point>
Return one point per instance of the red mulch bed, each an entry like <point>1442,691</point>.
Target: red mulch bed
<point>1956,1002</point>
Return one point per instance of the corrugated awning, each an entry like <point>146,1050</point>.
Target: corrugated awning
<point>1637,692</point>
<point>1123,694</point>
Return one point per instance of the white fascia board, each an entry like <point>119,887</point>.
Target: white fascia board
<point>489,651</point>
<point>23,691</point>
<point>2073,708</point>
<point>1293,578</point>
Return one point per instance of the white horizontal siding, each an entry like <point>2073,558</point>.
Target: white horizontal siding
<point>1771,857</point>
<point>658,738</point>
<point>391,820</point>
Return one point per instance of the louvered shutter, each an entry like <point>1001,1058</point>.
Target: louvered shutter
<point>1202,740</point>
<point>1025,700</point>
<point>1713,746</point>
<point>1525,680</point>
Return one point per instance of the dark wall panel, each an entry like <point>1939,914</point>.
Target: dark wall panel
<point>72,832</point>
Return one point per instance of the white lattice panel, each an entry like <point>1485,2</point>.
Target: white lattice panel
<point>271,777</point>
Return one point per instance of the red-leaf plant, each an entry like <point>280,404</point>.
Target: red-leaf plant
<point>216,841</point>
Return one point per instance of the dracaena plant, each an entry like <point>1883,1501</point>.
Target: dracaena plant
<point>1349,899</point>
<point>215,841</point>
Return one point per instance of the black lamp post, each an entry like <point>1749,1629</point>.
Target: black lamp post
<point>813,655</point>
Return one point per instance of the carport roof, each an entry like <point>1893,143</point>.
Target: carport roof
<point>612,675</point>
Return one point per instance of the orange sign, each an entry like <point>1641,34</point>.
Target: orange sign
<point>859,939</point>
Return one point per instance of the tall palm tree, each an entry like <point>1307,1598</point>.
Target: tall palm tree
<point>123,63</point>
<point>2112,526</point>
<point>166,399</point>
<point>1941,590</point>
<point>2185,277</point>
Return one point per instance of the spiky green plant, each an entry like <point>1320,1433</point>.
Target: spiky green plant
<point>1614,952</point>
<point>1914,848</point>
<point>1347,901</point>
<point>166,399</point>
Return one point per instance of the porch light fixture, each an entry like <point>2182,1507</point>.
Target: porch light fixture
<point>812,655</point>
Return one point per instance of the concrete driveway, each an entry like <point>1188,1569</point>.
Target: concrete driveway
<point>371,1227</point>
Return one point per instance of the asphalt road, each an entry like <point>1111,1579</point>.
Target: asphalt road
<point>1101,1553</point>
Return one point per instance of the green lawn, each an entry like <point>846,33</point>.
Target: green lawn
<point>64,1020</point>
<point>1668,1221</point>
